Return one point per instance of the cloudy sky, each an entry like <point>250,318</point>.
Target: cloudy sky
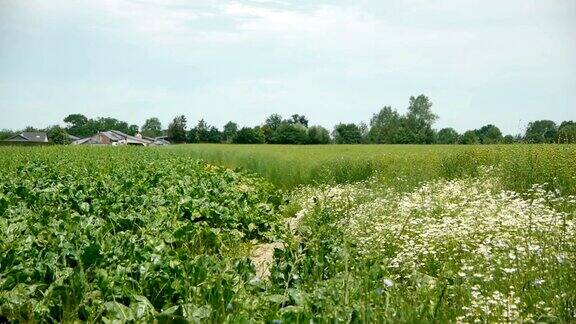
<point>500,62</point>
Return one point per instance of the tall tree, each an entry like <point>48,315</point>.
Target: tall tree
<point>76,120</point>
<point>419,120</point>
<point>385,126</point>
<point>177,129</point>
<point>199,134</point>
<point>270,126</point>
<point>273,121</point>
<point>364,133</point>
<point>230,130</point>
<point>77,125</point>
<point>541,131</point>
<point>420,109</point>
<point>299,119</point>
<point>152,127</point>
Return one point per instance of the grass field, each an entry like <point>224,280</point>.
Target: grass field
<point>361,233</point>
<point>288,166</point>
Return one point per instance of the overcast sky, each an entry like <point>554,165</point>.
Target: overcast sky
<point>501,62</point>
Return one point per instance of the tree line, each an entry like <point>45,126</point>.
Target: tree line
<point>387,126</point>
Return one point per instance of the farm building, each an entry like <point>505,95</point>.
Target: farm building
<point>114,137</point>
<point>35,137</point>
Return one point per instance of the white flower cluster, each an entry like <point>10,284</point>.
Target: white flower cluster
<point>490,240</point>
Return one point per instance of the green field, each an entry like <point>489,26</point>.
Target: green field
<point>288,166</point>
<point>362,233</point>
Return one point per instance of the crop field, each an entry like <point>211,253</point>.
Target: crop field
<point>335,233</point>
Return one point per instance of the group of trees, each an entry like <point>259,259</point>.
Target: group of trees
<point>275,130</point>
<point>415,127</point>
<point>387,126</point>
<point>82,126</point>
<point>546,131</point>
<point>540,131</point>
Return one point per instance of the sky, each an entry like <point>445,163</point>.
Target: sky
<point>480,62</point>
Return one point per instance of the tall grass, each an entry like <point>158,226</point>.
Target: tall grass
<point>289,166</point>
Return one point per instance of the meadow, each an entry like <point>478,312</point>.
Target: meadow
<point>289,166</point>
<point>359,233</point>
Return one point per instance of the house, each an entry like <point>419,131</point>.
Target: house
<point>35,137</point>
<point>158,140</point>
<point>114,137</point>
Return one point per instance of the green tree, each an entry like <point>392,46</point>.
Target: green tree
<point>419,121</point>
<point>347,134</point>
<point>299,119</point>
<point>152,127</point>
<point>567,123</point>
<point>199,134</point>
<point>470,137</point>
<point>290,134</point>
<point>508,139</point>
<point>6,133</point>
<point>133,130</point>
<point>76,120</point>
<point>318,135</point>
<point>78,125</point>
<point>260,133</point>
<point>489,134</point>
<point>58,135</point>
<point>247,135</point>
<point>214,135</point>
<point>447,136</point>
<point>541,131</point>
<point>385,126</point>
<point>177,129</point>
<point>230,130</point>
<point>364,133</point>
<point>268,133</point>
<point>273,121</point>
<point>31,129</point>
<point>567,134</point>
<point>102,124</point>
